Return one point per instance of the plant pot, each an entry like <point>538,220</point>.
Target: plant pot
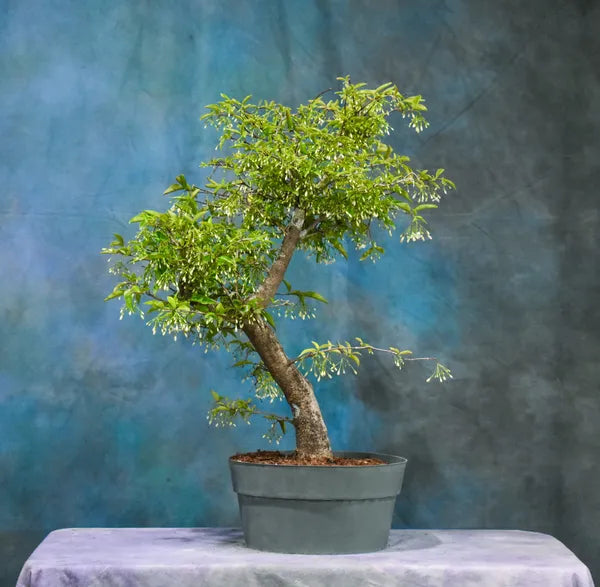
<point>310,509</point>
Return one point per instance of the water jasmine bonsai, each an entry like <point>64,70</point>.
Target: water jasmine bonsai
<point>213,268</point>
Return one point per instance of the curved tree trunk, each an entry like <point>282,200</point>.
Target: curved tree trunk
<point>311,433</point>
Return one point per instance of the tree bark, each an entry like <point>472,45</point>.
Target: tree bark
<point>312,438</point>
<point>269,287</point>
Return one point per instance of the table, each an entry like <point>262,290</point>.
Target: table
<point>190,557</point>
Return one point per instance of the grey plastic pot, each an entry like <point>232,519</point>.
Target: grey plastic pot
<point>308,509</point>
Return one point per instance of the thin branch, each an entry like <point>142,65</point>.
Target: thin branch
<point>151,295</point>
<point>341,348</point>
<point>272,416</point>
<point>320,94</point>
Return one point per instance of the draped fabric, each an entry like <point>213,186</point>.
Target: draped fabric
<point>186,557</point>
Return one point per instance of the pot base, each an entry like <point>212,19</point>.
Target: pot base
<point>316,527</point>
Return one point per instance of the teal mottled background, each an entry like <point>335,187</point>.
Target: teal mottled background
<point>102,424</point>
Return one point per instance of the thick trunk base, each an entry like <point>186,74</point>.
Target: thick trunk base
<point>312,439</point>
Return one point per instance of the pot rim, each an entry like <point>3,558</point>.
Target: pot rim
<point>396,461</point>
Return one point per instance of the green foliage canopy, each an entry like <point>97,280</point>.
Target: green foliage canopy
<point>194,268</point>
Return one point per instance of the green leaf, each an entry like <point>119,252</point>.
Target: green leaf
<point>371,251</point>
<point>424,207</point>
<point>383,87</point>
<point>242,363</point>
<point>116,292</point>
<point>155,306</point>
<point>175,187</point>
<point>339,248</point>
<point>269,319</point>
<point>314,295</point>
<point>215,395</point>
<point>137,218</point>
<point>202,299</point>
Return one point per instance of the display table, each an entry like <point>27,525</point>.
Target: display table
<point>191,557</point>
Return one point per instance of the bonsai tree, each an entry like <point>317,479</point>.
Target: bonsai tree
<point>312,180</point>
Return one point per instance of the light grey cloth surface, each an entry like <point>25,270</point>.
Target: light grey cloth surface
<point>186,557</point>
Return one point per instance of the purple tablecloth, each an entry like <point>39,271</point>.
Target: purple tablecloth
<point>186,557</point>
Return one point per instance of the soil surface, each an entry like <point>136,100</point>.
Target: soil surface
<point>274,457</point>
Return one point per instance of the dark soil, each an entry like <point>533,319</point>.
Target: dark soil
<point>274,457</point>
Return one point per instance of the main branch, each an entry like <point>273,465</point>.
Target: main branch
<point>312,438</point>
<point>276,272</point>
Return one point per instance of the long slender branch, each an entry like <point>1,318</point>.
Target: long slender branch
<point>342,348</point>
<point>320,94</point>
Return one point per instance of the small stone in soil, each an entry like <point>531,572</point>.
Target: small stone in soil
<point>274,457</point>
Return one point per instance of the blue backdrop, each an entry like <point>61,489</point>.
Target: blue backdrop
<point>102,424</point>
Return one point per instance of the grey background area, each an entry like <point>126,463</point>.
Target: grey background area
<point>102,424</point>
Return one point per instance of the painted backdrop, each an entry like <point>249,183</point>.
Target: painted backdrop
<point>102,424</point>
